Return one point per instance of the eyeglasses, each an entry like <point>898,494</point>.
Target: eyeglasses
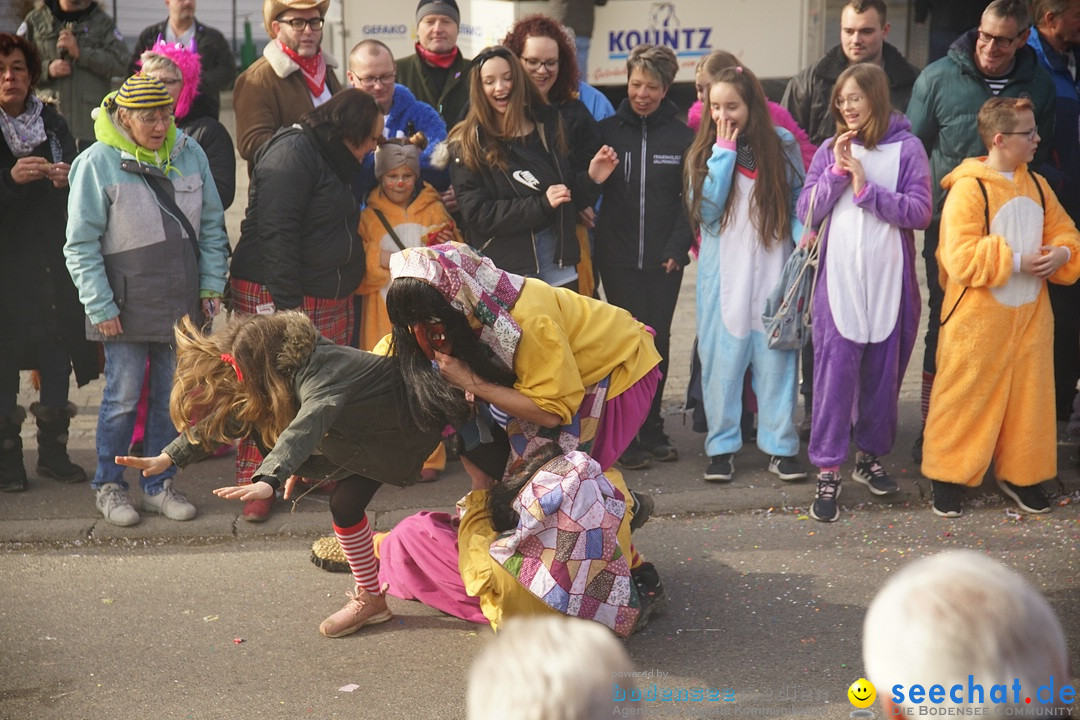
<point>298,24</point>
<point>849,100</point>
<point>1029,133</point>
<point>151,121</point>
<point>533,64</point>
<point>384,80</point>
<point>996,40</point>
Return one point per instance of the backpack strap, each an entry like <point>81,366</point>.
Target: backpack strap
<point>390,230</point>
<point>986,215</point>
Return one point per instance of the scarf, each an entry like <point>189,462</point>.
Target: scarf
<point>744,158</point>
<point>473,285</point>
<point>313,69</point>
<point>439,60</point>
<point>565,550</point>
<point>25,132</point>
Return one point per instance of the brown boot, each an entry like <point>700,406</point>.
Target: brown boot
<point>363,608</point>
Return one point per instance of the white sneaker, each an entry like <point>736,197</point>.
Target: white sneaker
<point>115,505</point>
<point>169,503</point>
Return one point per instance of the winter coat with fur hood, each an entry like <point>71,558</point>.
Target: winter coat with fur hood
<point>352,419</point>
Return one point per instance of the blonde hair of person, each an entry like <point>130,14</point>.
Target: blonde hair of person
<point>238,381</point>
<point>945,617</point>
<point>549,667</point>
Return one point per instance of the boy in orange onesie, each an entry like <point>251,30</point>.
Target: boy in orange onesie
<point>1003,236</point>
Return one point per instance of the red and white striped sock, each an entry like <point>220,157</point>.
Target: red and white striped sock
<point>356,543</point>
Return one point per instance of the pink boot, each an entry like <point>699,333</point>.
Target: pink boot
<point>363,608</point>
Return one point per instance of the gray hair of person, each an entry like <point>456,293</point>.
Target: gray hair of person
<point>369,46</point>
<point>861,6</point>
<point>945,617</point>
<point>1039,9</point>
<point>549,667</point>
<point>656,60</point>
<point>152,62</point>
<point>1015,9</point>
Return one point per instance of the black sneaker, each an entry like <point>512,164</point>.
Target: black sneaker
<point>659,446</point>
<point>650,592</point>
<point>786,468</point>
<point>825,507</point>
<point>643,509</point>
<point>635,458</point>
<point>721,468</point>
<point>869,472</point>
<point>947,499</point>
<point>1030,499</point>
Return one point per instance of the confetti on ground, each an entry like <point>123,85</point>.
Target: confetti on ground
<point>210,618</point>
<point>107,601</point>
<point>237,641</point>
<point>348,688</point>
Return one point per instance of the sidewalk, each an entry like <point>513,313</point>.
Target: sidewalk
<point>50,512</point>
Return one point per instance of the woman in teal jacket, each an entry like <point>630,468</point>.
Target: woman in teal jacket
<point>146,245</point>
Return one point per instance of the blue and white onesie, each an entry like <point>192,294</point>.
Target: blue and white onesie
<point>736,274</point>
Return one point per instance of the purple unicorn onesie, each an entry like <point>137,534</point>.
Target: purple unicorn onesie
<point>866,306</point>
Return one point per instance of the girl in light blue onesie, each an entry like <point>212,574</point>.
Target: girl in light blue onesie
<point>743,177</point>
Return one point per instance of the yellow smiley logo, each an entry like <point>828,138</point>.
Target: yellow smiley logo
<point>861,693</point>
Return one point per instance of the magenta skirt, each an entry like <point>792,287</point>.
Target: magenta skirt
<point>418,560</point>
<point>622,417</point>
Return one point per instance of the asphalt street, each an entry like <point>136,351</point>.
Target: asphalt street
<point>217,618</point>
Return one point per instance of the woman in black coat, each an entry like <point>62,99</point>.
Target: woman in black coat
<point>509,165</point>
<point>41,319</point>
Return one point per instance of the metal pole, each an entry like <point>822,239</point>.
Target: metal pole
<point>235,46</point>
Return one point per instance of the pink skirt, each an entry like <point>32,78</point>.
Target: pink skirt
<point>621,419</point>
<point>418,560</point>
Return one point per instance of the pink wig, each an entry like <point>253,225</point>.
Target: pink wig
<point>187,61</point>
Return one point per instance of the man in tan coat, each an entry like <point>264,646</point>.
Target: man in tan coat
<point>292,77</point>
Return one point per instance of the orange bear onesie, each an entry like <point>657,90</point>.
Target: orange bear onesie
<point>993,397</point>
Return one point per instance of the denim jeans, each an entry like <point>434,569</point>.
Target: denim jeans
<point>125,367</point>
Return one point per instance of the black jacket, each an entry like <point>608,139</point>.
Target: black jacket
<point>642,220</point>
<point>38,300</point>
<point>807,94</point>
<point>299,236</point>
<point>217,143</point>
<point>502,209</point>
<point>352,418</point>
<point>218,65</point>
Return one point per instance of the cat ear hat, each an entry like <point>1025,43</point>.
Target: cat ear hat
<point>187,60</point>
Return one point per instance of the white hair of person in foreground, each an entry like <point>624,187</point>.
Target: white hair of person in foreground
<point>961,619</point>
<point>549,668</point>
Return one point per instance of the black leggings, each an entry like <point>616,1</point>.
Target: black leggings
<point>350,499</point>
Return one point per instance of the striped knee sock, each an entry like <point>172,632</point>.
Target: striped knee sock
<point>359,551</point>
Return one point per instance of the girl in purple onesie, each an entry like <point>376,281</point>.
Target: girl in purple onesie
<point>874,178</point>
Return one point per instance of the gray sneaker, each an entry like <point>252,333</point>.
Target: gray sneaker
<point>115,505</point>
<point>169,503</point>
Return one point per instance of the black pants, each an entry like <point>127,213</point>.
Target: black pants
<point>935,298</point>
<point>649,295</point>
<point>1065,301</point>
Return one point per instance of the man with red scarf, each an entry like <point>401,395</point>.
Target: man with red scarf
<point>437,73</point>
<point>292,77</point>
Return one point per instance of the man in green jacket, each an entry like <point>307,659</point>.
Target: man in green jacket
<point>437,73</point>
<point>81,52</point>
<point>991,60</point>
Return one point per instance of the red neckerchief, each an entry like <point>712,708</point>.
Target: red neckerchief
<point>439,60</point>
<point>312,68</point>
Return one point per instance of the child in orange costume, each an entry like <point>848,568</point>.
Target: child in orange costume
<point>1003,235</point>
<point>402,211</point>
